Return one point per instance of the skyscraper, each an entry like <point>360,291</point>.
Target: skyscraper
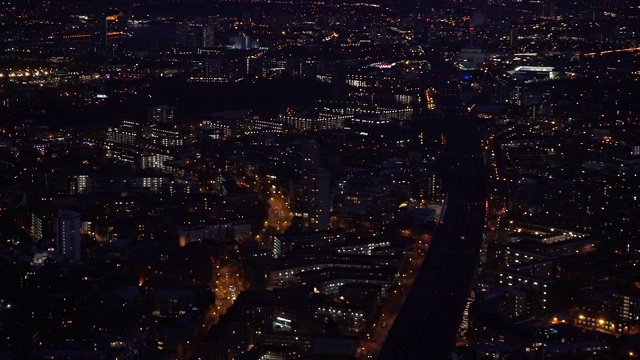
<point>311,199</point>
<point>338,81</point>
<point>319,199</point>
<point>100,26</point>
<point>161,114</point>
<point>67,232</point>
<point>208,37</point>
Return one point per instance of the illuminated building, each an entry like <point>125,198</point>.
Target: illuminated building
<point>284,244</point>
<point>161,115</point>
<point>67,234</point>
<point>312,199</point>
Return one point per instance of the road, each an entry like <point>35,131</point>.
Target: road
<point>427,324</point>
<point>280,216</point>
<point>379,330</point>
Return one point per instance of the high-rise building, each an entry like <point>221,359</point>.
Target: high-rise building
<point>126,134</point>
<point>242,42</point>
<point>319,199</point>
<point>338,81</point>
<point>67,234</point>
<point>311,154</point>
<point>78,184</point>
<point>625,307</point>
<point>40,225</point>
<point>161,114</point>
<point>155,161</point>
<point>100,25</point>
<point>311,199</point>
<point>208,37</point>
<point>189,37</point>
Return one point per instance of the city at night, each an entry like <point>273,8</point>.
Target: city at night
<point>319,179</point>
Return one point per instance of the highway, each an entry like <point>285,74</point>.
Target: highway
<point>430,316</point>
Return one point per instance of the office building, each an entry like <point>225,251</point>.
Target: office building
<point>242,43</point>
<point>319,199</point>
<point>161,114</point>
<point>208,37</point>
<point>311,199</point>
<point>67,234</point>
